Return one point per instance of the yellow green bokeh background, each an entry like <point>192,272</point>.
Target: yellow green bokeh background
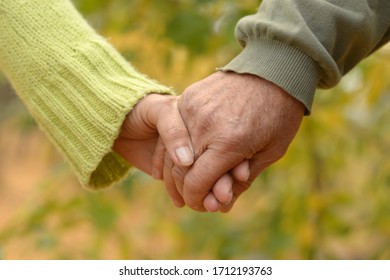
<point>328,198</point>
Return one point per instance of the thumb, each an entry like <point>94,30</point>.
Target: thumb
<point>173,131</point>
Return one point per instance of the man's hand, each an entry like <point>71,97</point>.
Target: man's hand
<point>232,117</point>
<point>155,126</point>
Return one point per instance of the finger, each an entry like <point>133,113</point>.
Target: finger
<point>178,173</point>
<point>161,112</point>
<point>241,172</point>
<point>204,173</point>
<point>170,186</point>
<point>158,160</point>
<point>222,193</point>
<point>175,136</point>
<point>238,189</point>
<point>257,164</point>
<point>211,203</point>
<point>223,189</point>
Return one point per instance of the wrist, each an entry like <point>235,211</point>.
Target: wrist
<point>283,65</point>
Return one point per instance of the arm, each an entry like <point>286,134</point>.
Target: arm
<point>82,93</point>
<point>290,48</point>
<point>77,87</point>
<point>302,45</point>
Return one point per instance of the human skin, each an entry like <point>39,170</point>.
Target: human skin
<point>231,118</point>
<point>154,127</point>
<point>153,122</point>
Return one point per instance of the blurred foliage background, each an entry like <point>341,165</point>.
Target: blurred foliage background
<point>328,198</point>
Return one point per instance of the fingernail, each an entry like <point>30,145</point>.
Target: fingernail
<point>230,198</point>
<point>185,155</point>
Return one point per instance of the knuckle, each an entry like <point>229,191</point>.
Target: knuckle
<point>277,153</point>
<point>280,153</point>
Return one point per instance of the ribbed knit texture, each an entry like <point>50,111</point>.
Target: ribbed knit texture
<point>289,68</point>
<point>301,45</point>
<point>75,84</point>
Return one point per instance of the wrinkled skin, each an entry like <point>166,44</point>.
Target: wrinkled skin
<point>231,118</point>
<point>154,127</point>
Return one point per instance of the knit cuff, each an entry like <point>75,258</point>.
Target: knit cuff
<point>75,84</point>
<point>81,105</point>
<point>283,65</point>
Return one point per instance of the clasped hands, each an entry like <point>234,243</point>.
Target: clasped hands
<point>210,143</point>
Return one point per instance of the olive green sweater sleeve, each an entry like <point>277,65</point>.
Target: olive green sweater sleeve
<point>75,84</point>
<point>304,44</point>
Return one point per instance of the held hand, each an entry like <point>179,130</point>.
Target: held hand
<point>151,127</point>
<point>221,194</point>
<point>232,117</point>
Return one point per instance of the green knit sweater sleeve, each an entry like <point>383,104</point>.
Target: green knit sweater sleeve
<point>301,45</point>
<point>75,84</point>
